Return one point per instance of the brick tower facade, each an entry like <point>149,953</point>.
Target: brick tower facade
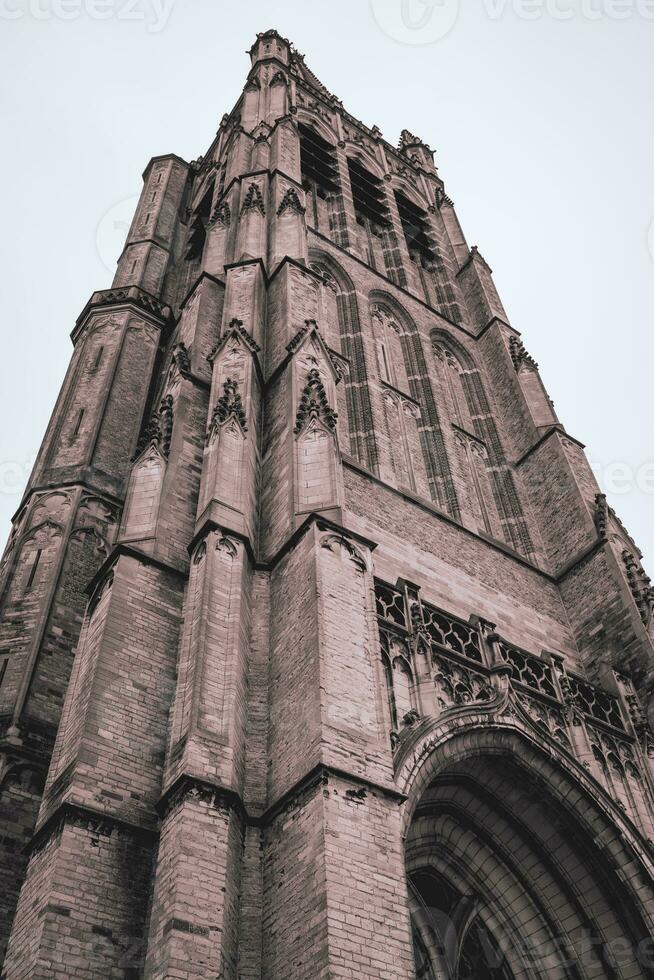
<point>321,653</point>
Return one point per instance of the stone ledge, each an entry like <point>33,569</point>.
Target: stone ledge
<point>226,798</point>
<point>95,821</point>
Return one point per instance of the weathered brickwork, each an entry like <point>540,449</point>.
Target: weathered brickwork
<point>321,653</point>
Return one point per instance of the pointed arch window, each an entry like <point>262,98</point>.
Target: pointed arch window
<point>493,501</point>
<point>451,373</point>
<point>400,682</point>
<point>198,227</point>
<point>390,358</point>
<point>449,938</point>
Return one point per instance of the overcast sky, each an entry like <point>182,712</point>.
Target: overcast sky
<point>540,112</point>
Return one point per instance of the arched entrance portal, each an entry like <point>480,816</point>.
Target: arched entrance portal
<point>515,871</point>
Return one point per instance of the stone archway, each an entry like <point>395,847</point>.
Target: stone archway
<point>518,866</point>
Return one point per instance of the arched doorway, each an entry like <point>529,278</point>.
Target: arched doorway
<point>515,871</point>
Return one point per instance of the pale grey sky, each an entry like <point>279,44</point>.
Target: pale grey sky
<point>540,112</point>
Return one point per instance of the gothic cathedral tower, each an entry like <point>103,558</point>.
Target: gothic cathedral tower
<point>321,653</point>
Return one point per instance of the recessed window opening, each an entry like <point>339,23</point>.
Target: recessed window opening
<point>416,231</point>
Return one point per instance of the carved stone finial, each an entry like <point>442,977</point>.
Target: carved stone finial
<point>158,431</point>
<point>519,355</point>
<point>253,200</point>
<point>229,406</point>
<point>601,516</point>
<point>221,214</point>
<point>314,404</point>
<point>291,201</point>
<point>181,358</point>
<point>640,586</point>
<point>407,139</point>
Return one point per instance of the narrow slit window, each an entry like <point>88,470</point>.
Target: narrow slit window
<point>3,668</point>
<point>98,359</point>
<point>385,364</point>
<point>78,423</point>
<point>33,570</point>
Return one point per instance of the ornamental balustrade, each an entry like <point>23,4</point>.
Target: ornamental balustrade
<point>435,662</point>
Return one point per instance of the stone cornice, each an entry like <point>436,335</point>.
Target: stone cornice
<point>557,427</point>
<point>119,550</point>
<point>56,485</point>
<point>157,312</point>
<point>223,796</point>
<point>497,320</point>
<point>163,156</point>
<point>97,820</point>
<point>266,566</point>
<point>194,286</point>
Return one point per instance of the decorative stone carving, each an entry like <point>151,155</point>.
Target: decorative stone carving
<point>222,214</point>
<point>253,200</point>
<point>407,139</point>
<point>458,685</point>
<point>614,755</point>
<point>527,670</point>
<point>452,633</point>
<point>640,586</point>
<point>158,431</point>
<point>314,405</point>
<point>339,544</point>
<point>229,406</point>
<point>546,717</point>
<point>602,516</point>
<point>594,702</point>
<point>519,355</point>
<point>181,358</point>
<point>131,294</point>
<point>235,326</point>
<point>391,605</point>
<point>166,422</point>
<point>91,533</point>
<point>291,201</point>
<point>261,133</point>
<point>226,546</point>
<point>200,553</point>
